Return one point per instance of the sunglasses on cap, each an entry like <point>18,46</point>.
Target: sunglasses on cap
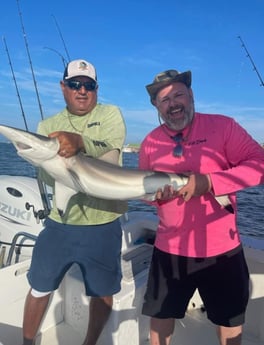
<point>76,85</point>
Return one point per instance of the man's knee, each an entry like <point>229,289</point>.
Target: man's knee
<point>108,300</point>
<point>39,294</point>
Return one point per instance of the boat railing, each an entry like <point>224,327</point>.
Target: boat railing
<point>14,244</point>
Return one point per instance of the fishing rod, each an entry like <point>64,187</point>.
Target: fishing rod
<point>62,39</point>
<point>40,214</point>
<point>17,91</point>
<point>59,54</point>
<point>252,62</point>
<point>30,61</point>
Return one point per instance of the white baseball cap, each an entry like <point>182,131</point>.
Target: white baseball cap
<point>78,68</point>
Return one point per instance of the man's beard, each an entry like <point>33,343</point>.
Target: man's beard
<point>179,124</point>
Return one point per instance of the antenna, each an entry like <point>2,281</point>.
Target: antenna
<point>14,78</point>
<point>29,58</point>
<point>252,62</point>
<point>62,39</point>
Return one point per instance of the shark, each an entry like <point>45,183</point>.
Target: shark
<point>92,176</point>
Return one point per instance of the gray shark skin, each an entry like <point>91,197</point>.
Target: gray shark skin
<point>89,175</point>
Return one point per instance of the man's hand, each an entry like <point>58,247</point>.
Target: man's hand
<point>70,143</point>
<point>165,194</point>
<point>197,185</point>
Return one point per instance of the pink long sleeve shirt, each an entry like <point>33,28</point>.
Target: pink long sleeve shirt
<point>215,145</point>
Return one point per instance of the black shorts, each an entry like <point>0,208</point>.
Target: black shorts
<point>222,282</point>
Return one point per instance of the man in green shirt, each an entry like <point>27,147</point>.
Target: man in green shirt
<point>89,233</point>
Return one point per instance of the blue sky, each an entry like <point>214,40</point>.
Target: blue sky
<point>129,42</point>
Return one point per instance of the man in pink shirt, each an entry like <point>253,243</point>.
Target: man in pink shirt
<point>197,243</point>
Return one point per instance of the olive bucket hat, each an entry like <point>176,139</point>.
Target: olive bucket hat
<point>166,78</point>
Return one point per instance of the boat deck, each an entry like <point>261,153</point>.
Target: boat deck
<point>191,330</point>
<point>66,323</point>
<point>187,332</point>
<point>68,313</point>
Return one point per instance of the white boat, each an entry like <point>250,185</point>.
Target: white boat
<point>67,317</point>
<point>20,223</point>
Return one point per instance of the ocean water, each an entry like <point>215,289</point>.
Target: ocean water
<point>250,201</point>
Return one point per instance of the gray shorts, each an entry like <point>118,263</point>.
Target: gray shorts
<point>222,281</point>
<point>95,248</point>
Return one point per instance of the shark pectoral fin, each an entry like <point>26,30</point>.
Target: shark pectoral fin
<point>62,197</point>
<point>225,202</point>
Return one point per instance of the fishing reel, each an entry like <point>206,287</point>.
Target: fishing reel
<point>40,214</point>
